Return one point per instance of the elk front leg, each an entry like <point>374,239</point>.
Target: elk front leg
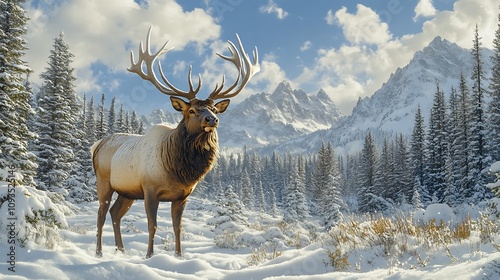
<point>117,211</point>
<point>177,210</point>
<point>151,204</point>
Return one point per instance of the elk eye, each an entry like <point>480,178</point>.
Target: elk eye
<point>192,111</point>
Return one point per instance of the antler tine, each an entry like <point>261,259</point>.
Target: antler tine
<point>246,69</point>
<point>147,58</point>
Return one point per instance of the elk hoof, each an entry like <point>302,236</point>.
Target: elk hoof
<point>120,249</point>
<point>98,254</point>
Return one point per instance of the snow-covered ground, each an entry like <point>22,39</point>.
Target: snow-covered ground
<point>73,255</point>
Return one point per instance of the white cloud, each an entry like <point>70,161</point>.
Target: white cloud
<point>105,31</point>
<point>330,17</point>
<point>424,8</point>
<point>363,27</point>
<point>273,8</point>
<point>458,25</point>
<point>305,46</point>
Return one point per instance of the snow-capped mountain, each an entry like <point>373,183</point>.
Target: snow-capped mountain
<point>269,119</point>
<point>391,109</point>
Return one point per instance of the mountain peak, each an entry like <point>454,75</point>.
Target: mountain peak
<point>284,86</point>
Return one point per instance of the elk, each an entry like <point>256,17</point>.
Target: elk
<point>165,163</point>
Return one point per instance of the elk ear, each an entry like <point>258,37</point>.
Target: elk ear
<point>178,103</point>
<point>222,106</point>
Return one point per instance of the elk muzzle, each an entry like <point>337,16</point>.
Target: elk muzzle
<point>210,123</point>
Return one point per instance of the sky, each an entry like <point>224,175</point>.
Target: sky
<point>347,48</point>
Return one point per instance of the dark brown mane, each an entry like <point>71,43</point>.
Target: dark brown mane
<point>194,155</point>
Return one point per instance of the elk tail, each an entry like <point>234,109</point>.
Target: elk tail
<point>94,147</point>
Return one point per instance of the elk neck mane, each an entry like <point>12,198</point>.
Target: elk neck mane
<point>190,156</point>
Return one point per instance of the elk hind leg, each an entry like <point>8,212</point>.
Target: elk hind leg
<point>104,194</point>
<point>117,211</point>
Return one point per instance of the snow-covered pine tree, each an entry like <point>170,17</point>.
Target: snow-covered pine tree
<point>331,212</point>
<point>260,202</point>
<point>436,148</point>
<point>459,135</point>
<point>402,171</point>
<point>494,106</point>
<point>81,180</point>
<point>331,201</point>
<point>229,211</point>
<point>417,146</point>
<point>416,200</point>
<point>57,118</point>
<point>126,124</point>
<point>16,110</point>
<point>134,123</point>
<point>102,123</point>
<point>479,161</point>
<point>112,117</point>
<point>273,208</point>
<point>366,176</point>
<point>140,130</point>
<point>274,180</point>
<point>248,197</point>
<point>324,168</point>
<point>383,181</point>
<point>451,194</point>
<point>255,173</point>
<point>90,128</point>
<point>295,205</point>
<point>120,123</point>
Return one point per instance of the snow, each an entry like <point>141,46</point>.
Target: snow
<point>73,256</point>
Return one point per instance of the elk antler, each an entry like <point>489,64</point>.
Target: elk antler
<point>146,57</point>
<point>246,70</point>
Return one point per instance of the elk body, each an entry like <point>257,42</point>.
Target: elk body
<point>166,163</point>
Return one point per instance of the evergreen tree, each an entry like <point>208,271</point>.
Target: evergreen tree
<point>416,200</point>
<point>332,213</point>
<point>121,120</point>
<point>126,124</point>
<point>272,204</point>
<point>402,171</point>
<point>295,207</point>
<point>90,129</point>
<point>16,111</point>
<point>417,146</point>
<point>229,211</point>
<point>248,197</point>
<point>460,141</point>
<point>102,124</point>
<point>134,122</point>
<point>479,160</point>
<point>112,117</point>
<point>140,130</point>
<point>324,168</point>
<point>56,120</point>
<point>367,201</point>
<point>383,181</point>
<point>494,106</point>
<point>260,199</point>
<point>436,148</point>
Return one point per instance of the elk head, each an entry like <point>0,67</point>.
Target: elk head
<point>199,115</point>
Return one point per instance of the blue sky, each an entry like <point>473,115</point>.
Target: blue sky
<point>348,48</point>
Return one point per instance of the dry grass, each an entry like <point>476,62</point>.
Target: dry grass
<point>393,236</point>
